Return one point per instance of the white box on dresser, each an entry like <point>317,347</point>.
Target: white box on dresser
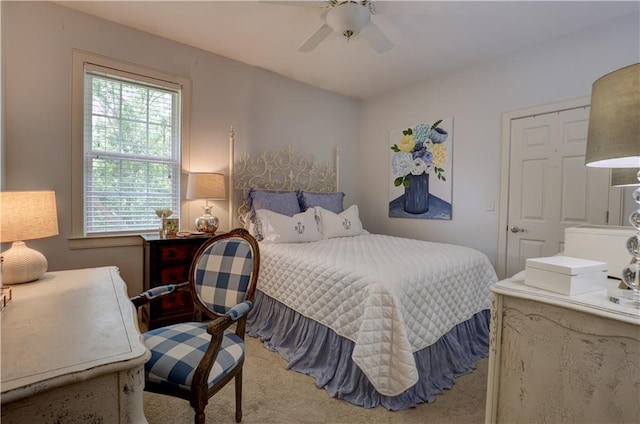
<point>566,275</point>
<point>599,243</point>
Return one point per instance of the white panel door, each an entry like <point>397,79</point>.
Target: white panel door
<point>550,188</point>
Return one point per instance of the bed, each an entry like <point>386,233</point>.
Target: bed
<point>375,319</point>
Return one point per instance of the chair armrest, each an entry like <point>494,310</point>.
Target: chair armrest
<point>151,294</point>
<point>216,329</point>
<point>240,310</point>
<point>217,326</point>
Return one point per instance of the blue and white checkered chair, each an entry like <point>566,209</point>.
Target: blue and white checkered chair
<point>194,360</point>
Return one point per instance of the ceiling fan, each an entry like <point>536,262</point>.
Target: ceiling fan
<point>347,18</point>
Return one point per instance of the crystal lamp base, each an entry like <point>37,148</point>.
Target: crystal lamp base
<point>207,223</point>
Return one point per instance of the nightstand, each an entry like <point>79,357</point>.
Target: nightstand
<point>167,261</point>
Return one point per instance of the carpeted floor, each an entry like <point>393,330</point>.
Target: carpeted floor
<point>274,395</point>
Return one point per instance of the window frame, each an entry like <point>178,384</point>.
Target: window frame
<point>78,238</point>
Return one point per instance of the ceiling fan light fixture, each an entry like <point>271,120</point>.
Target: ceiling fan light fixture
<point>348,19</point>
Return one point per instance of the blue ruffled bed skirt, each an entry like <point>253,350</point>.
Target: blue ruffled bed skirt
<point>316,350</point>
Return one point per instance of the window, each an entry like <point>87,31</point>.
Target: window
<point>131,151</point>
<point>131,142</point>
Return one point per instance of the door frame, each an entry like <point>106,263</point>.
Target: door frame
<point>615,194</point>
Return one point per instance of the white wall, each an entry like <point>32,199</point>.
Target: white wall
<point>476,97</point>
<point>265,109</point>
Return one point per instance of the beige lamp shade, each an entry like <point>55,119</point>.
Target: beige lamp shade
<point>206,185</point>
<point>624,177</point>
<point>613,140</point>
<point>25,215</point>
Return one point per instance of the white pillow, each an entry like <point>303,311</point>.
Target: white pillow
<point>279,228</point>
<point>344,224</point>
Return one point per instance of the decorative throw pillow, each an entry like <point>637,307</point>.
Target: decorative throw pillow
<point>344,224</point>
<point>279,228</point>
<point>285,203</point>
<point>329,201</point>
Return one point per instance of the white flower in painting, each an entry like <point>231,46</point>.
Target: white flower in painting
<point>429,168</point>
<point>402,163</point>
<point>419,166</point>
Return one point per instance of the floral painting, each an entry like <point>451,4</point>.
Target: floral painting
<point>421,161</point>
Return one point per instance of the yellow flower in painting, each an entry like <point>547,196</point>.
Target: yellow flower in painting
<point>439,152</point>
<point>407,143</point>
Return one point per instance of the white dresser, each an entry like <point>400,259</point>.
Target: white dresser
<point>72,351</point>
<point>562,359</point>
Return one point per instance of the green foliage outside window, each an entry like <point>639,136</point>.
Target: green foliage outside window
<point>131,154</point>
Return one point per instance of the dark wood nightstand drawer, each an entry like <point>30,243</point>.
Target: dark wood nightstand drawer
<point>172,305</point>
<point>179,300</point>
<point>167,261</point>
<point>174,274</point>
<point>174,253</point>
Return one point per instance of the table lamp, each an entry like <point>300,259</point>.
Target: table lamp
<point>624,177</point>
<point>209,186</point>
<point>613,141</point>
<point>25,215</point>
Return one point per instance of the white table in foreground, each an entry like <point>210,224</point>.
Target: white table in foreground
<point>557,358</point>
<point>72,351</point>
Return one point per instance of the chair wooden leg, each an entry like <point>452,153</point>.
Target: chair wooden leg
<point>238,384</point>
<point>199,418</point>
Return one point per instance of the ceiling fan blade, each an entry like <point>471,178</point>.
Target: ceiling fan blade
<point>300,3</point>
<point>315,39</point>
<point>376,38</point>
<point>408,8</point>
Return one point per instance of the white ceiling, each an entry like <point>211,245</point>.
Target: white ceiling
<point>430,38</point>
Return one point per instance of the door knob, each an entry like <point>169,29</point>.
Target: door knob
<point>517,230</point>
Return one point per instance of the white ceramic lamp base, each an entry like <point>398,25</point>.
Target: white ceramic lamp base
<point>21,264</point>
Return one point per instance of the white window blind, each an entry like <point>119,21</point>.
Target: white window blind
<point>131,150</point>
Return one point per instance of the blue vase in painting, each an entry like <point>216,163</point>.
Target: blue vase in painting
<point>416,196</point>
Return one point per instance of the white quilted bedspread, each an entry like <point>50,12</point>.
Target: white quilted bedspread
<point>391,296</point>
